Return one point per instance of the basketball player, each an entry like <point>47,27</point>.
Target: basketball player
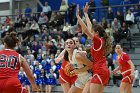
<point>126,68</point>
<point>10,62</point>
<point>100,48</point>
<point>64,80</point>
<point>81,65</point>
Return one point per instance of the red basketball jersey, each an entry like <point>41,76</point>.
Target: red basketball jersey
<point>97,52</point>
<point>123,62</point>
<point>9,63</point>
<point>63,78</point>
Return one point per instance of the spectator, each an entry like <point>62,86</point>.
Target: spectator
<point>123,32</point>
<point>28,11</point>
<point>32,17</point>
<point>92,9</point>
<point>23,21</point>
<point>136,78</point>
<point>30,56</point>
<point>1,45</point>
<point>46,9</point>
<point>60,41</point>
<point>94,22</point>
<point>129,18</point>
<point>110,15</point>
<point>63,8</point>
<point>42,79</point>
<point>57,21</point>
<point>108,30</point>
<point>51,81</point>
<point>71,16</point>
<point>35,48</point>
<point>104,23</point>
<point>35,28</point>
<point>120,17</point>
<point>8,20</point>
<point>115,27</point>
<point>43,19</point>
<point>66,27</point>
<point>53,48</point>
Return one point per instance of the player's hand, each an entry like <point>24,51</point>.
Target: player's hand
<point>35,88</point>
<point>132,75</point>
<point>85,9</point>
<point>77,10</point>
<point>83,53</point>
<point>113,72</point>
<point>75,71</point>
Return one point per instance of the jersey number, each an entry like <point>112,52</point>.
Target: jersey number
<point>10,61</point>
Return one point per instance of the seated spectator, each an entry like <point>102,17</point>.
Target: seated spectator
<point>94,22</point>
<point>43,19</point>
<point>23,21</point>
<point>109,32</point>
<point>8,20</point>
<point>66,28</point>
<point>136,78</point>
<point>63,8</point>
<point>33,17</point>
<point>35,47</point>
<point>43,80</point>
<point>136,13</point>
<point>57,21</point>
<point>34,28</point>
<point>17,20</point>
<point>30,56</point>
<point>60,41</point>
<point>51,81</point>
<point>129,18</point>
<point>104,23</point>
<point>123,32</point>
<point>120,17</point>
<point>110,15</point>
<point>115,27</point>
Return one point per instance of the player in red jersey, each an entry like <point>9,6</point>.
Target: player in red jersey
<point>10,62</point>
<point>126,68</point>
<point>101,46</point>
<point>65,80</point>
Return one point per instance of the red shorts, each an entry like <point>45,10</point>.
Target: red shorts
<point>101,77</point>
<point>11,85</point>
<point>63,78</point>
<point>127,78</point>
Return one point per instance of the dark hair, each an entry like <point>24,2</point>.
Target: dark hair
<point>102,33</point>
<point>119,44</point>
<point>66,55</point>
<point>11,40</point>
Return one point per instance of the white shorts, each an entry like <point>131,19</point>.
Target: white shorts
<point>82,79</point>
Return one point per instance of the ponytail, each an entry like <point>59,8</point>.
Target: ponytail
<point>107,45</point>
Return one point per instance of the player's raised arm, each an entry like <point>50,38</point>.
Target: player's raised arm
<point>83,25</point>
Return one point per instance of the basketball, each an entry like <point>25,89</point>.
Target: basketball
<point>67,70</point>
